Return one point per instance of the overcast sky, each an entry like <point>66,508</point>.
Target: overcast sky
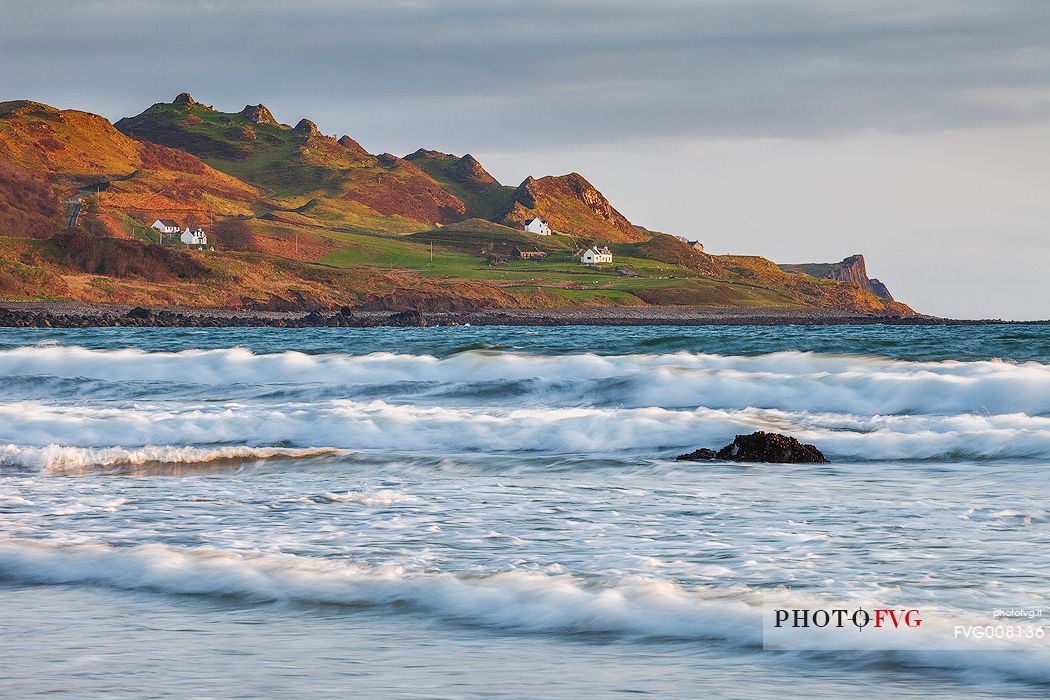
<point>917,133</point>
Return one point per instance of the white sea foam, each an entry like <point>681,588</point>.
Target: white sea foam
<point>59,458</point>
<point>510,600</point>
<point>786,380</point>
<point>378,425</point>
<point>382,497</point>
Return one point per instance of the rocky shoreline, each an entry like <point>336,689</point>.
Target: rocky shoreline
<point>83,315</point>
<point>143,317</point>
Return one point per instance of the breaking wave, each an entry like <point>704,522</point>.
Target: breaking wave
<point>521,601</point>
<point>81,435</point>
<point>517,600</point>
<point>60,459</point>
<point>796,381</point>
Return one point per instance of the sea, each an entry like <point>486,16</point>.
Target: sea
<point>496,512</point>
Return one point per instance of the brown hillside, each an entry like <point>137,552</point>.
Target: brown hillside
<point>300,164</point>
<point>571,205</point>
<point>465,177</point>
<point>394,186</point>
<point>74,149</point>
<point>28,205</point>
<point>42,140</point>
<point>300,219</point>
<point>675,251</point>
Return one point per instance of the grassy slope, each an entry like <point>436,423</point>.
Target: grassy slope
<point>464,177</point>
<point>263,154</point>
<point>462,251</point>
<point>813,269</point>
<point>326,267</point>
<point>334,248</point>
<point>302,170</point>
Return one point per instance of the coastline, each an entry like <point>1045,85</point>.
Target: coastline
<point>48,314</point>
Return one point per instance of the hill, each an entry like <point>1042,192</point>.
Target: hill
<point>571,205</point>
<point>69,151</point>
<point>465,177</point>
<point>303,220</point>
<point>299,167</point>
<point>28,205</point>
<point>338,183</point>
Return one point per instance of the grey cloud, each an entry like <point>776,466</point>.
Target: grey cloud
<point>914,132</point>
<point>512,74</point>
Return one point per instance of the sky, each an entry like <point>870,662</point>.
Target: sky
<point>916,133</point>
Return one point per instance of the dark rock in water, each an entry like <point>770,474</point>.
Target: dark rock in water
<point>139,312</point>
<point>700,455</point>
<point>772,448</point>
<point>407,318</point>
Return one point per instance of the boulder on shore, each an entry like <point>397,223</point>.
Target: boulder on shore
<point>772,448</point>
<point>411,317</point>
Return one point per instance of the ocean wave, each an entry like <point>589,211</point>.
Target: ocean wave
<point>517,600</point>
<point>514,600</point>
<point>794,381</point>
<point>57,458</point>
<point>81,434</point>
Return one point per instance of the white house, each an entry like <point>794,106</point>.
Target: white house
<point>538,226</point>
<point>595,255</point>
<point>194,236</point>
<point>166,226</point>
<point>695,245</point>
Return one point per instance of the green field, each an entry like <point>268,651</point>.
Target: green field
<point>466,253</point>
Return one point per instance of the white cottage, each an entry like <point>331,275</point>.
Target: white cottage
<point>166,226</point>
<point>595,255</point>
<point>194,236</point>
<point>538,226</point>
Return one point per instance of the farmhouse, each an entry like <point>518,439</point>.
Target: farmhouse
<point>538,226</point>
<point>519,254</point>
<point>194,236</point>
<point>696,245</point>
<point>166,226</point>
<point>595,255</point>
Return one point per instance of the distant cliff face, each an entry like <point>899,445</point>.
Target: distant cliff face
<point>880,290</point>
<point>852,269</point>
